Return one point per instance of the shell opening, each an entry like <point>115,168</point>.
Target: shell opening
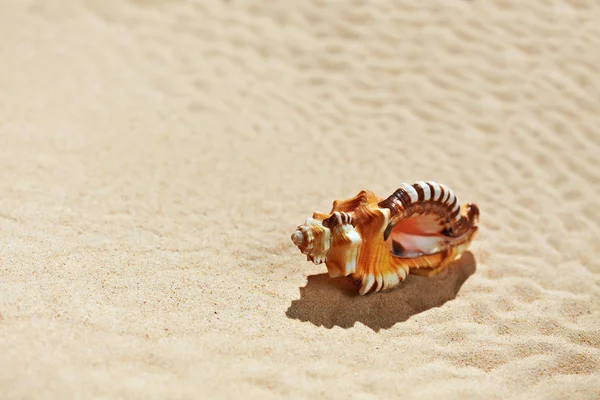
<point>418,235</point>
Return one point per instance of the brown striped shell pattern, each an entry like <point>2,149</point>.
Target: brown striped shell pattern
<point>419,229</point>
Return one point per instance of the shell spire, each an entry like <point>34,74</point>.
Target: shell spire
<point>419,229</point>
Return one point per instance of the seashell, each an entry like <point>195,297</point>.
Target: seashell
<point>419,229</point>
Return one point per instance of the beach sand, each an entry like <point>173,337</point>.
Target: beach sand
<point>157,155</point>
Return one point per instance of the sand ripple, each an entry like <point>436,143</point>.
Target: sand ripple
<point>156,155</point>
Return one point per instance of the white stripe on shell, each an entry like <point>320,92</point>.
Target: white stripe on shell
<point>436,190</point>
<point>451,197</point>
<point>414,196</point>
<point>426,190</point>
<point>456,207</point>
<point>338,217</point>
<point>446,193</point>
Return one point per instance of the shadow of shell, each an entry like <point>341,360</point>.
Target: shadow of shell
<point>335,302</point>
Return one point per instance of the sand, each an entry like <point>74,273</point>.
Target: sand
<point>157,155</point>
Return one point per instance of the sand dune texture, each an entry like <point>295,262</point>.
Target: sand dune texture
<point>157,155</point>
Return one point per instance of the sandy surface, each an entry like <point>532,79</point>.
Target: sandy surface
<point>156,155</point>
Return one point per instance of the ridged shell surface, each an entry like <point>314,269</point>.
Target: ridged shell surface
<point>420,228</point>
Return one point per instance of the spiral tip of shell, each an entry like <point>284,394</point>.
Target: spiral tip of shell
<point>298,237</point>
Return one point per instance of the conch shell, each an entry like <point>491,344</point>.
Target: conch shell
<point>419,229</point>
